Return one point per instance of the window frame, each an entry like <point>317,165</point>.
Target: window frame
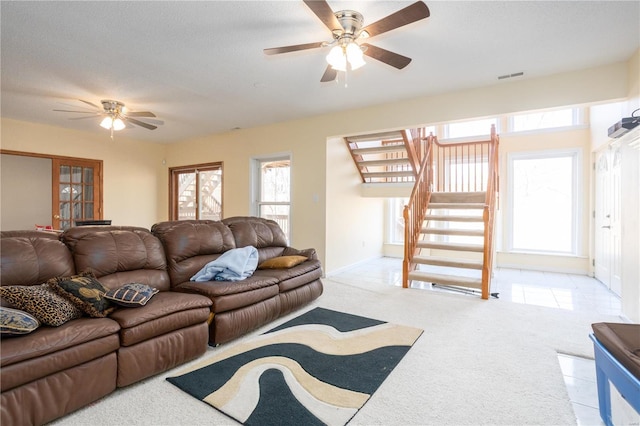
<point>256,185</point>
<point>577,113</point>
<point>576,155</point>
<point>174,172</point>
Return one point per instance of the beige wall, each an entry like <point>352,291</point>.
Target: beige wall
<point>132,188</point>
<point>314,224</point>
<point>25,182</point>
<point>136,183</point>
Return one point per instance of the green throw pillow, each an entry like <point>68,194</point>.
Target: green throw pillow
<point>131,295</point>
<point>41,302</point>
<point>84,291</point>
<point>14,322</point>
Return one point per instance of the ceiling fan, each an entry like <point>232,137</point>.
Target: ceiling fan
<point>116,115</point>
<point>346,28</point>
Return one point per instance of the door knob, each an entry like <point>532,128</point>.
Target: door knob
<point>56,216</point>
<point>607,226</point>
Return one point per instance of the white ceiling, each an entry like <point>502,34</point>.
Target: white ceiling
<point>199,66</point>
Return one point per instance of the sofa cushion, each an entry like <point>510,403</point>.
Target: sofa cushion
<point>282,262</point>
<point>84,291</point>
<point>227,295</point>
<point>69,345</point>
<point>41,302</point>
<point>295,276</point>
<point>32,257</point>
<point>263,234</point>
<point>131,295</point>
<point>118,255</point>
<point>14,322</point>
<point>167,311</point>
<point>191,244</point>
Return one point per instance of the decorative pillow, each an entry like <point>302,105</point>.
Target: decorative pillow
<point>131,295</point>
<point>41,302</point>
<point>15,323</point>
<point>282,262</point>
<point>84,291</point>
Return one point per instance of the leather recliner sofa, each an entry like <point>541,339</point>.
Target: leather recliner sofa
<point>53,371</point>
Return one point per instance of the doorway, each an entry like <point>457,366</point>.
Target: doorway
<point>50,190</point>
<point>608,230</point>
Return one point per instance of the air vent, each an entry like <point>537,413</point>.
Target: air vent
<point>515,74</point>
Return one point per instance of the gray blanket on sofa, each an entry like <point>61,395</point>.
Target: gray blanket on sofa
<point>233,265</point>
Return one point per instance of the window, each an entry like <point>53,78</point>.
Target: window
<point>196,192</point>
<point>543,194</point>
<point>396,220</point>
<point>466,129</point>
<point>545,120</point>
<point>272,189</point>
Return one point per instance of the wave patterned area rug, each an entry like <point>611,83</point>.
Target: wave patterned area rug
<point>318,368</point>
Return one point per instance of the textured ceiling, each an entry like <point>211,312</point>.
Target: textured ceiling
<point>199,66</point>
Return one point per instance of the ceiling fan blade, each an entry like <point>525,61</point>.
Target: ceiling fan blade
<point>82,118</point>
<point>80,112</point>
<point>409,14</point>
<point>294,48</point>
<point>383,55</point>
<point>140,123</point>
<point>323,11</point>
<point>329,74</point>
<point>91,103</point>
<point>140,114</point>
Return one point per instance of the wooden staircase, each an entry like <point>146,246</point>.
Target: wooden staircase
<point>451,242</point>
<point>449,219</point>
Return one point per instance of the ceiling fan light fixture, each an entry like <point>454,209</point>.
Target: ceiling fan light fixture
<point>354,55</point>
<point>341,54</point>
<point>112,123</point>
<point>337,58</point>
<point>118,124</point>
<point>107,122</point>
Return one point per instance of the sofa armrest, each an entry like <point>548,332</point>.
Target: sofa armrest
<point>309,253</point>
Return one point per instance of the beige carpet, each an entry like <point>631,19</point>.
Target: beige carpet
<point>477,363</point>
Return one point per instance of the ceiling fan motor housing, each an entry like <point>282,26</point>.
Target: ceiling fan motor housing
<point>351,22</point>
<point>112,106</point>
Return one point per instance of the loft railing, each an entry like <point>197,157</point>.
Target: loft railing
<point>461,167</point>
<point>416,209</point>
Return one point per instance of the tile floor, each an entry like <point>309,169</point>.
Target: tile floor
<point>576,293</point>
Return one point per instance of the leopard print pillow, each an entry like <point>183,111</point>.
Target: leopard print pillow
<point>41,302</point>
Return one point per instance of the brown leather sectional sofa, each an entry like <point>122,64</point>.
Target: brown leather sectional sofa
<point>53,371</point>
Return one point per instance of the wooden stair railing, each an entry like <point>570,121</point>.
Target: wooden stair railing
<point>415,210</point>
<point>470,167</point>
<point>489,212</point>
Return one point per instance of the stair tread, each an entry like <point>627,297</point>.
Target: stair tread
<point>448,261</point>
<point>445,279</point>
<point>386,162</point>
<point>453,231</point>
<point>458,197</point>
<point>456,206</point>
<point>451,218</point>
<point>379,149</point>
<point>451,246</point>
<point>388,174</point>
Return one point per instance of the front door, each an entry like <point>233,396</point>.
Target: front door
<point>76,191</point>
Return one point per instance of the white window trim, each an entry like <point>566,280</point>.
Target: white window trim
<point>577,185</point>
<point>254,193</point>
<point>578,121</point>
